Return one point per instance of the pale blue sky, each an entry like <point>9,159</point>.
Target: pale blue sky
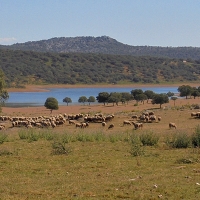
<point>134,22</point>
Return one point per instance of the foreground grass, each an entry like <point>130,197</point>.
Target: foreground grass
<point>98,168</point>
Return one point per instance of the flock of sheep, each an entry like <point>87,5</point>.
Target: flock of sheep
<point>81,120</point>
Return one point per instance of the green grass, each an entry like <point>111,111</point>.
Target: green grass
<point>98,168</point>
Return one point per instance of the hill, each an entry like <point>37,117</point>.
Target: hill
<point>28,67</point>
<point>105,45</point>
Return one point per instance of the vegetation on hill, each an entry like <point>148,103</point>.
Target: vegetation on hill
<point>28,67</point>
<point>105,45</point>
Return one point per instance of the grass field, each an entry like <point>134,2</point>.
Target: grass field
<point>97,163</point>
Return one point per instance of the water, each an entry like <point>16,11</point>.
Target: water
<point>39,98</point>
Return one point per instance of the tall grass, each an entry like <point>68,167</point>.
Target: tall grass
<point>148,138</point>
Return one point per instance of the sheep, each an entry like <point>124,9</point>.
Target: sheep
<point>134,117</point>
<point>152,117</point>
<point>103,123</point>
<point>138,125</point>
<point>159,119</point>
<point>2,127</point>
<point>78,125</point>
<point>126,122</point>
<point>172,125</point>
<point>111,126</point>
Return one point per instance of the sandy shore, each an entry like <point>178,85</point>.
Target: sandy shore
<point>42,88</point>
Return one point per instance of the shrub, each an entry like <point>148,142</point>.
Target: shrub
<point>196,137</point>
<point>59,148</point>
<point>137,149</point>
<point>179,140</point>
<point>3,138</point>
<point>29,135</point>
<point>149,139</point>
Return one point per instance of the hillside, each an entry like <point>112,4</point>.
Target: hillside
<point>105,45</point>
<point>28,67</point>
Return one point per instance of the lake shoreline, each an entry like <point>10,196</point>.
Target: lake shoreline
<point>43,88</point>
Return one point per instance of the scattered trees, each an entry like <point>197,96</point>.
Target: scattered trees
<point>51,103</point>
<point>102,97</point>
<point>160,99</point>
<point>185,90</point>
<point>67,100</point>
<point>82,99</point>
<point>91,99</point>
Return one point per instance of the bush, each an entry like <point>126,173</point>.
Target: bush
<point>29,135</point>
<point>149,139</point>
<point>137,149</point>
<point>180,140</point>
<point>196,137</point>
<point>3,138</point>
<point>59,148</point>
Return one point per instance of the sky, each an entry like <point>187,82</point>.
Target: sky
<point>172,23</point>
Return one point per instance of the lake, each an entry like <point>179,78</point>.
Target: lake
<point>39,98</point>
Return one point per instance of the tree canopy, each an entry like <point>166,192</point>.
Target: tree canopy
<point>67,100</point>
<point>160,99</point>
<point>185,90</point>
<point>91,99</point>
<point>51,103</point>
<point>82,99</point>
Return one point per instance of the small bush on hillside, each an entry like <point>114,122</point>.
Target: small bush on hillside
<point>196,137</point>
<point>149,139</point>
<point>179,140</point>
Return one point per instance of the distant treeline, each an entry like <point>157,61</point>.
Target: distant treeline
<point>28,67</point>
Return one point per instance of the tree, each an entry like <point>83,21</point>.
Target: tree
<point>126,97</point>
<point>185,90</point>
<point>67,100</point>
<point>91,99</point>
<point>160,99</point>
<point>136,92</point>
<point>170,94</point>
<point>3,93</point>
<point>115,97</point>
<point>174,99</point>
<point>103,97</point>
<point>140,97</point>
<point>82,99</point>
<point>149,94</point>
<point>195,92</point>
<point>51,103</point>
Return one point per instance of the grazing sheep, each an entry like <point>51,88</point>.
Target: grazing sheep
<point>138,125</point>
<point>193,114</point>
<point>152,118</point>
<point>111,126</point>
<point>126,122</point>
<point>172,125</point>
<point>2,127</point>
<point>103,123</point>
<point>78,125</point>
<point>134,117</point>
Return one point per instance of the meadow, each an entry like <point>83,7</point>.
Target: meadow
<point>66,162</point>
